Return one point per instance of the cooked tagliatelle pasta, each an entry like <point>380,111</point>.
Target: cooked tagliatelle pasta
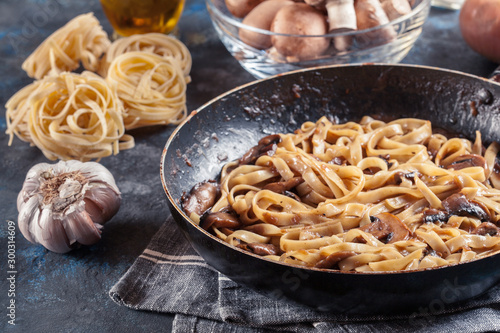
<point>152,89</point>
<point>69,116</point>
<point>163,45</point>
<point>367,196</point>
<point>81,40</point>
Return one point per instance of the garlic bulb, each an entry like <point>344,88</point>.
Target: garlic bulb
<point>65,204</point>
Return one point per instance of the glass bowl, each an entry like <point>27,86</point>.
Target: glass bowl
<point>362,46</point>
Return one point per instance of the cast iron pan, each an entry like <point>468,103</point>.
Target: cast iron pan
<point>225,128</point>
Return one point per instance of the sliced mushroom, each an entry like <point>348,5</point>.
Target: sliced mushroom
<point>300,19</point>
<point>219,220</point>
<point>201,197</point>
<point>467,161</point>
<point>486,228</point>
<point>282,187</point>
<point>333,259</point>
<point>495,175</point>
<point>458,204</point>
<point>432,215</point>
<point>387,228</point>
<point>263,249</point>
<point>265,145</point>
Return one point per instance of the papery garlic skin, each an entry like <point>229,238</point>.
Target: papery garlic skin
<point>65,204</point>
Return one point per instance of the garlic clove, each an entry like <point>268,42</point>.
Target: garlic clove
<point>99,204</point>
<point>28,211</point>
<point>81,228</point>
<point>50,233</point>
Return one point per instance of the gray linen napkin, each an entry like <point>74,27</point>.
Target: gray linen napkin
<point>171,277</point>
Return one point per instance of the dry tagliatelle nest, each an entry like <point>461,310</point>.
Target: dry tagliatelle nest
<point>84,116</point>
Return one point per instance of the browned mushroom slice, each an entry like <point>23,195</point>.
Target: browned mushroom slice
<point>219,220</point>
<point>467,161</point>
<point>387,228</point>
<point>263,249</point>
<point>201,197</point>
<point>495,175</point>
<point>265,145</point>
<point>458,204</point>
<point>486,228</point>
<point>432,215</point>
<point>334,258</point>
<point>282,187</point>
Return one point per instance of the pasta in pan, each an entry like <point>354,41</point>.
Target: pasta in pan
<point>367,196</point>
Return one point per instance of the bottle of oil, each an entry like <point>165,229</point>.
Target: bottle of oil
<point>130,17</point>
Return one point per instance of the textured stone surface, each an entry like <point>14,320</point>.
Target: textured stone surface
<point>69,293</point>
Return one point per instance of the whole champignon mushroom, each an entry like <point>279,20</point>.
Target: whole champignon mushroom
<point>240,8</point>
<point>261,17</point>
<point>369,14</point>
<point>341,18</point>
<point>300,19</point>
<point>395,8</point>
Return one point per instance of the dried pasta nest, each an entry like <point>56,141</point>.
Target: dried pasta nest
<point>160,44</point>
<point>84,116</point>
<point>69,116</point>
<point>81,40</point>
<point>152,89</point>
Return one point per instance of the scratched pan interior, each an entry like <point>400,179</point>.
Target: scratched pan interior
<point>226,127</point>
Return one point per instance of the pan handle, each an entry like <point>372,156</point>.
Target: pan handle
<point>495,76</point>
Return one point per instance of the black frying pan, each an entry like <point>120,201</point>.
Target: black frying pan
<point>225,128</point>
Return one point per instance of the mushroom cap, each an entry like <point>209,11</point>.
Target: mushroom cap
<point>300,19</point>
<point>240,8</point>
<point>261,17</point>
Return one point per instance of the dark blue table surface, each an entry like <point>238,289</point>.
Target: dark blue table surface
<point>69,293</point>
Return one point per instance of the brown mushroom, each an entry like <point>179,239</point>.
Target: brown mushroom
<point>261,17</point>
<point>282,187</point>
<point>369,14</point>
<point>486,228</point>
<point>467,161</point>
<point>432,215</point>
<point>263,249</point>
<point>300,19</point>
<point>240,8</point>
<point>201,197</point>
<point>458,204</point>
<point>495,175</point>
<point>387,228</point>
<point>395,8</point>
<point>333,259</point>
<point>219,220</point>
<point>264,145</point>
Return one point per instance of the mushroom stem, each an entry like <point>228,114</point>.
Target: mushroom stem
<point>341,18</point>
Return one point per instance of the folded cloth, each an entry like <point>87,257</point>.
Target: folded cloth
<point>169,276</point>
